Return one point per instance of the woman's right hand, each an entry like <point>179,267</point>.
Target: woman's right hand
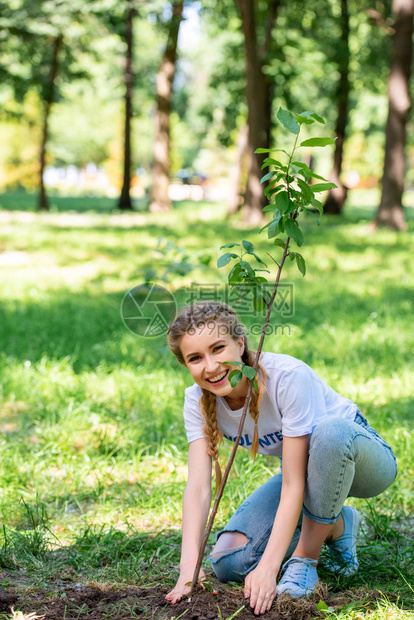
<point>181,589</point>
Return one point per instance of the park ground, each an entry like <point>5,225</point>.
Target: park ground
<point>93,447</point>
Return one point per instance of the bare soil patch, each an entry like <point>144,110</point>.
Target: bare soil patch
<point>98,601</point>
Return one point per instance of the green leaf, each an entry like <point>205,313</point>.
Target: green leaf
<point>280,243</point>
<point>322,187</point>
<point>318,118</point>
<point>272,151</point>
<point>248,371</point>
<point>282,201</point>
<point>295,169</point>
<point>288,120</point>
<point>307,192</point>
<point>225,259</point>
<point>275,228</point>
<point>229,245</point>
<point>292,230</point>
<point>248,246</point>
<point>301,118</point>
<point>256,388</point>
<point>269,175</point>
<point>259,260</point>
<point>239,364</point>
<point>300,261</point>
<point>317,205</point>
<point>235,376</point>
<point>247,267</point>
<point>236,274</point>
<point>309,212</point>
<point>268,208</point>
<point>270,189</point>
<point>266,225</point>
<point>310,114</point>
<point>269,161</point>
<point>306,171</point>
<point>292,255</point>
<point>318,142</point>
<point>322,606</point>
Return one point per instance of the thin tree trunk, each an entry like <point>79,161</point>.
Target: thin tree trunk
<point>235,200</point>
<point>125,202</point>
<point>258,103</point>
<point>160,200</point>
<point>43,203</point>
<point>390,212</point>
<point>336,197</point>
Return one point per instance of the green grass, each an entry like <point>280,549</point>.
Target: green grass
<point>93,446</point>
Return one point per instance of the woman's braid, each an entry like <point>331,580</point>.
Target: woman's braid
<point>211,430</point>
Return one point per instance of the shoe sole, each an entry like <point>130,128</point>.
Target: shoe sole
<point>294,594</point>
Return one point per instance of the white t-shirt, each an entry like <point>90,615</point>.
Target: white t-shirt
<point>296,400</point>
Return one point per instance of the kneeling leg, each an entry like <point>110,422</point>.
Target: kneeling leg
<point>241,544</point>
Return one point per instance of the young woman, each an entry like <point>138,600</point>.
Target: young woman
<point>328,450</point>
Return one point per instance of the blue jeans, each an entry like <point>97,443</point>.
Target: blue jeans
<point>346,459</point>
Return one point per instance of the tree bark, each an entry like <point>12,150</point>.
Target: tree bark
<point>125,202</point>
<point>258,97</point>
<point>390,212</point>
<point>235,201</point>
<point>160,200</point>
<point>43,203</point>
<point>336,197</point>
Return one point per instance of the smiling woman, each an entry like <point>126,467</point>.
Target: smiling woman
<point>329,453</point>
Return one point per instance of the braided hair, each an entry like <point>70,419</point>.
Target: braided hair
<point>196,316</point>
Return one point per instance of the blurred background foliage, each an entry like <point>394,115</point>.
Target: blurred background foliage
<point>63,87</point>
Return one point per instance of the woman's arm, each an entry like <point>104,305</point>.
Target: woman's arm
<point>196,506</point>
<point>260,584</point>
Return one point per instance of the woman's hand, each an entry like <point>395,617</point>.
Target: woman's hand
<point>260,586</point>
<point>181,589</point>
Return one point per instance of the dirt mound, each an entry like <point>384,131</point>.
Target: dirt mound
<point>98,601</point>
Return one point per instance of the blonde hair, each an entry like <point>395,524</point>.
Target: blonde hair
<point>187,320</point>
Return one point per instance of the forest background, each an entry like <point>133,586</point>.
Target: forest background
<point>80,83</point>
<point>127,132</point>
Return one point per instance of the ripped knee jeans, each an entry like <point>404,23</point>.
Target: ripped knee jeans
<point>346,459</point>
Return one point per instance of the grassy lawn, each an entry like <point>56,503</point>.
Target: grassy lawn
<point>93,446</point>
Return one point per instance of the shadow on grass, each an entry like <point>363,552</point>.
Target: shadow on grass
<point>87,326</point>
<point>26,201</point>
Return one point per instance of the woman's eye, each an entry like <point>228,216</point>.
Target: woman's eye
<point>219,347</point>
<point>195,358</point>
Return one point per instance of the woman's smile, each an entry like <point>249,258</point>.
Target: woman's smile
<point>220,378</point>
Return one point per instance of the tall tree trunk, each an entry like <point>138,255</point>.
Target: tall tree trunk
<point>125,202</point>
<point>235,195</point>
<point>390,212</point>
<point>336,197</point>
<point>258,103</point>
<point>43,203</point>
<point>160,200</point>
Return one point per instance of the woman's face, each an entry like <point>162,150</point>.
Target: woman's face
<point>204,349</point>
